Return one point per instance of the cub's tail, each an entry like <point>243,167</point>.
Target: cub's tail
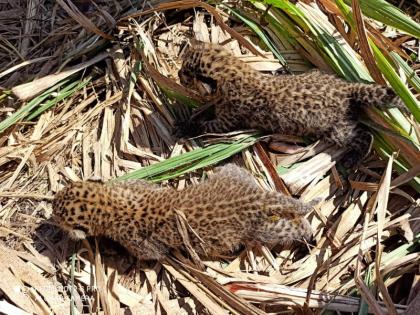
<point>377,95</point>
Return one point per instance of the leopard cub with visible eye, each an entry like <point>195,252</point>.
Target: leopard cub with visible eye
<point>226,211</point>
<point>312,104</point>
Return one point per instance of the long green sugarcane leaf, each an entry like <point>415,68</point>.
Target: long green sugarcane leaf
<point>385,12</point>
<point>412,77</point>
<point>258,30</point>
<point>190,161</point>
<point>24,111</point>
<point>396,82</point>
<point>61,95</point>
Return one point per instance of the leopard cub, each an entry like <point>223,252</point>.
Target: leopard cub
<point>312,104</point>
<point>226,211</point>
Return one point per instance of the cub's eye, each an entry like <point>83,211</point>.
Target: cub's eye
<point>207,80</point>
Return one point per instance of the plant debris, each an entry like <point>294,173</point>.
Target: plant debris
<point>89,89</point>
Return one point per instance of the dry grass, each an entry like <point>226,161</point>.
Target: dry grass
<point>119,120</point>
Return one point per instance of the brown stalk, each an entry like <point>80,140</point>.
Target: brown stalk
<point>183,227</point>
<point>364,45</point>
<point>278,182</point>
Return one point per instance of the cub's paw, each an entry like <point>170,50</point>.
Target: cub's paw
<point>315,202</point>
<point>187,129</point>
<point>308,207</point>
<point>352,160</point>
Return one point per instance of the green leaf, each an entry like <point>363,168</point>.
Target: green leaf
<point>257,29</point>
<point>388,14</point>
<point>364,307</point>
<point>339,55</point>
<point>412,77</point>
<point>191,161</point>
<point>183,99</point>
<point>396,82</point>
<point>401,251</point>
<point>24,111</point>
<point>282,27</point>
<point>61,95</point>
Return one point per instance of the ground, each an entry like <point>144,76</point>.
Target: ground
<point>114,115</point>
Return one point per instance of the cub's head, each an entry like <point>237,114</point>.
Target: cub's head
<point>202,66</point>
<point>73,209</point>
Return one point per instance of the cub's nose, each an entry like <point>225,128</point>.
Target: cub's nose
<point>182,77</point>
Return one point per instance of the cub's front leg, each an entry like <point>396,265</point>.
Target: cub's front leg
<point>225,121</point>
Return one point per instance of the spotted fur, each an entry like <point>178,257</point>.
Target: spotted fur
<point>225,211</point>
<point>313,104</point>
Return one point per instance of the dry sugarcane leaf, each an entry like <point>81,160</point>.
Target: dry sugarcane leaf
<point>75,13</point>
<point>28,90</point>
<point>364,186</point>
<point>183,229</point>
<point>229,299</point>
<point>200,28</point>
<point>14,289</point>
<point>108,300</point>
<point>407,176</point>
<point>163,81</point>
<point>313,169</point>
<point>195,289</point>
<point>186,4</point>
<point>37,259</point>
<point>125,296</point>
<point>36,135</point>
<point>28,275</point>
<point>279,294</point>
<point>7,308</point>
<point>347,221</point>
<point>363,288</point>
<point>382,202</point>
<point>22,64</point>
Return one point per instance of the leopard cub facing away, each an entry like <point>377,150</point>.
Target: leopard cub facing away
<point>312,104</point>
<point>225,211</point>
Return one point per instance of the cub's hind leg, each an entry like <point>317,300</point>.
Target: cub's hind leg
<point>354,137</point>
<point>360,148</point>
<point>147,249</point>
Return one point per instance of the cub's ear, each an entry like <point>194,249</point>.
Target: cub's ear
<point>197,45</point>
<point>78,232</point>
<point>193,41</point>
<point>77,235</point>
<point>95,179</point>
